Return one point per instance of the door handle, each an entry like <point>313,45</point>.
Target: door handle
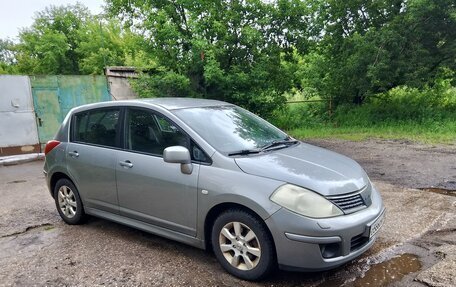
<point>73,154</point>
<point>126,163</point>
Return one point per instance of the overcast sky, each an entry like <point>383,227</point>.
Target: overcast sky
<point>16,14</point>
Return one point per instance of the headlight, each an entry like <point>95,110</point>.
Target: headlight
<point>304,202</point>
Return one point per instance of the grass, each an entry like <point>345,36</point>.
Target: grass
<point>427,116</point>
<point>408,132</point>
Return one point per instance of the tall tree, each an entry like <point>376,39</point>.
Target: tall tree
<point>372,46</point>
<point>101,43</point>
<point>228,50</point>
<point>70,40</point>
<point>49,45</point>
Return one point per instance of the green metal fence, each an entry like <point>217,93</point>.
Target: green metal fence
<point>55,96</point>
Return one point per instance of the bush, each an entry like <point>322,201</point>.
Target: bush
<point>162,84</point>
<point>298,115</point>
<point>402,105</point>
<point>425,115</point>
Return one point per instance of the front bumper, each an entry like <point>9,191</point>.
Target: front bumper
<point>308,244</point>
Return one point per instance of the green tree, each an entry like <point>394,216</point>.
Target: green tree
<point>7,57</point>
<point>373,46</point>
<point>70,40</point>
<point>50,45</point>
<point>229,50</point>
<point>101,44</point>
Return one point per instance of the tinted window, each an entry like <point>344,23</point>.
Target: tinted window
<point>97,127</point>
<point>152,133</point>
<point>80,126</point>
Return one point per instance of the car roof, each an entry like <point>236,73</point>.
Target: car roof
<point>183,103</point>
<point>166,103</point>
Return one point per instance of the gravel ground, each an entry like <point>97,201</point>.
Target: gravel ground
<point>416,246</point>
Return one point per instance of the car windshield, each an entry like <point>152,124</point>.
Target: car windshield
<point>230,129</point>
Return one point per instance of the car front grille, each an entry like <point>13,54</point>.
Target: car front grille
<point>358,242</point>
<point>348,202</point>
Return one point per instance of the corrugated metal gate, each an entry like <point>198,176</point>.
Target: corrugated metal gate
<point>54,96</point>
<point>18,132</point>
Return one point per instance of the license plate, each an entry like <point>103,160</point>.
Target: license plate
<point>375,227</point>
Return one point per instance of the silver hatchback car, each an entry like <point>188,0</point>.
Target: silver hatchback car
<point>213,175</point>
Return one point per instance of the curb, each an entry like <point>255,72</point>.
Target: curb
<point>18,159</point>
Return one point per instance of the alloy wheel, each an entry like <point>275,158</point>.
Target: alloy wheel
<point>67,201</point>
<point>240,246</point>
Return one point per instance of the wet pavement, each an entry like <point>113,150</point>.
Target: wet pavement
<point>416,246</point>
<point>382,274</point>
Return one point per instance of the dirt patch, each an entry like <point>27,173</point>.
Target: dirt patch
<point>401,163</point>
<point>441,191</point>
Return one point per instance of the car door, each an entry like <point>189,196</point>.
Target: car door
<point>92,157</point>
<point>149,189</point>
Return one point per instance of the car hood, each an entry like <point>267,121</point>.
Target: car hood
<point>314,168</point>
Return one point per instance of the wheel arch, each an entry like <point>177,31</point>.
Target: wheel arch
<point>56,176</point>
<point>218,209</point>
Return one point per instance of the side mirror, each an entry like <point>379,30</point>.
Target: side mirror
<point>179,154</point>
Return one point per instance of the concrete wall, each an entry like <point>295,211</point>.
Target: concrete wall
<point>119,86</point>
<point>18,130</point>
<point>120,89</point>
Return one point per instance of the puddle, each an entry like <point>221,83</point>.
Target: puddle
<point>392,270</point>
<point>443,191</point>
<point>382,274</point>
<point>16,181</point>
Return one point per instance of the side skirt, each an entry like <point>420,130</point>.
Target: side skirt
<point>157,230</point>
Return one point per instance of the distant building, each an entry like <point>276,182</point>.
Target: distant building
<point>119,86</point>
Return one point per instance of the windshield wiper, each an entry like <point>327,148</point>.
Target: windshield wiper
<point>285,142</point>
<point>245,152</point>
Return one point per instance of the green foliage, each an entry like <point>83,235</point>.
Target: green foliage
<point>373,46</point>
<point>403,105</point>
<point>70,40</point>
<point>161,83</point>
<point>395,58</point>
<point>7,57</point>
<point>49,45</point>
<point>100,43</point>
<point>228,50</point>
<point>426,114</point>
<point>443,133</point>
<point>295,116</point>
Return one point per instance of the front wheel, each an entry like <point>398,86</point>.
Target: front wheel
<point>68,202</point>
<point>243,245</point>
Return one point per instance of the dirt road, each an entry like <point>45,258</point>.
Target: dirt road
<point>416,247</point>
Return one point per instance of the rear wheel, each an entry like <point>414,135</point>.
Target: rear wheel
<point>243,245</point>
<point>68,202</point>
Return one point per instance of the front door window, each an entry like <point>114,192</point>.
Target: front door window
<point>148,132</point>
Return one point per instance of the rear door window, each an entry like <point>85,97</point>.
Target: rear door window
<point>99,127</point>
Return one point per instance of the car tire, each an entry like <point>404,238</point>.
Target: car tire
<point>68,202</point>
<point>243,245</point>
